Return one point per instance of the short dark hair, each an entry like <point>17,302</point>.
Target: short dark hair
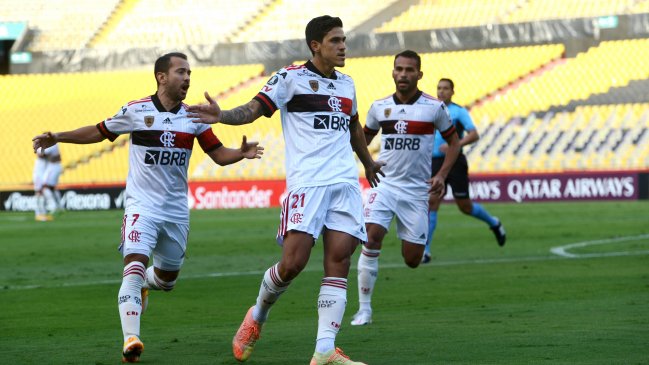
<point>410,54</point>
<point>163,63</point>
<point>318,27</point>
<point>449,81</point>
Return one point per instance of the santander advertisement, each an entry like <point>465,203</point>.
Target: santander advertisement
<point>496,188</point>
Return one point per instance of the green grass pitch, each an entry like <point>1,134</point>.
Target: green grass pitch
<point>476,303</point>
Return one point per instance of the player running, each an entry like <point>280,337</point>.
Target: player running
<point>408,120</point>
<point>458,178</point>
<point>156,217</point>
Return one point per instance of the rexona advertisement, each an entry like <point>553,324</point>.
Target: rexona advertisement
<point>271,193</point>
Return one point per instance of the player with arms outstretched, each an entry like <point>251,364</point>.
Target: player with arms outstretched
<point>156,217</point>
<point>319,120</point>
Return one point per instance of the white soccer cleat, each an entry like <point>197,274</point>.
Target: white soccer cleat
<point>362,318</point>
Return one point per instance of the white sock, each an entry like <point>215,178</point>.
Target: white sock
<point>50,203</point>
<point>368,271</point>
<point>130,300</point>
<point>272,286</point>
<point>40,204</point>
<point>331,308</point>
<point>153,282</point>
<point>57,199</point>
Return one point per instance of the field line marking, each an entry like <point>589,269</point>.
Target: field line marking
<point>563,250</point>
<point>559,251</point>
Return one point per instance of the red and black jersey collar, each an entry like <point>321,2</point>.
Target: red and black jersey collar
<point>311,67</point>
<point>161,108</point>
<point>411,101</point>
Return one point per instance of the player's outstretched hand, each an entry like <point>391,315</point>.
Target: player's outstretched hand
<point>209,113</point>
<point>251,149</point>
<point>437,185</point>
<point>373,171</point>
<point>43,141</point>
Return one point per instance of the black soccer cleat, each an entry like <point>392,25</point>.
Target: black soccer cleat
<point>499,232</point>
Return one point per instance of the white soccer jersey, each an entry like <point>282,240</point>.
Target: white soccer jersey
<point>161,145</point>
<point>315,112</point>
<point>407,137</point>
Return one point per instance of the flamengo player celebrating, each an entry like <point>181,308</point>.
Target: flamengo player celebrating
<point>408,120</point>
<point>156,218</point>
<point>319,120</point>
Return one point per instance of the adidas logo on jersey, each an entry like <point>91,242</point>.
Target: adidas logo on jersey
<point>167,121</point>
<point>331,86</point>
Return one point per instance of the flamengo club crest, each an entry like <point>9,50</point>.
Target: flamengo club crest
<point>314,85</point>
<point>148,120</point>
<point>167,139</point>
<point>401,127</point>
<point>387,111</point>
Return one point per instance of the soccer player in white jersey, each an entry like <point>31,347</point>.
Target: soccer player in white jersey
<point>319,120</point>
<point>47,170</point>
<point>156,219</point>
<point>408,120</point>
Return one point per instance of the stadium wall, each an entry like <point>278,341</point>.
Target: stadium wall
<point>576,34</point>
<point>574,186</point>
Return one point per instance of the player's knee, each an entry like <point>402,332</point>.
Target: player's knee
<point>412,262</point>
<point>165,285</point>
<point>466,209</point>
<point>289,270</point>
<point>165,281</point>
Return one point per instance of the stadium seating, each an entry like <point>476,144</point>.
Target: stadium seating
<point>434,14</point>
<point>547,9</point>
<point>284,20</point>
<point>437,14</point>
<point>35,103</point>
<point>59,24</point>
<point>641,6</point>
<point>173,23</point>
<point>611,64</point>
<point>600,137</point>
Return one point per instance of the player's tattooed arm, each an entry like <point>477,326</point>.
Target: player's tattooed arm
<point>211,112</point>
<point>243,114</point>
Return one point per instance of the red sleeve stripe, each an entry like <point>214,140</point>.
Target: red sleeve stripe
<point>105,132</point>
<point>143,100</point>
<point>447,133</point>
<point>266,103</point>
<point>208,141</point>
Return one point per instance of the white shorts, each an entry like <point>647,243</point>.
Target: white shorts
<point>39,173</point>
<point>338,207</point>
<point>412,214</point>
<point>144,235</point>
<point>52,174</point>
